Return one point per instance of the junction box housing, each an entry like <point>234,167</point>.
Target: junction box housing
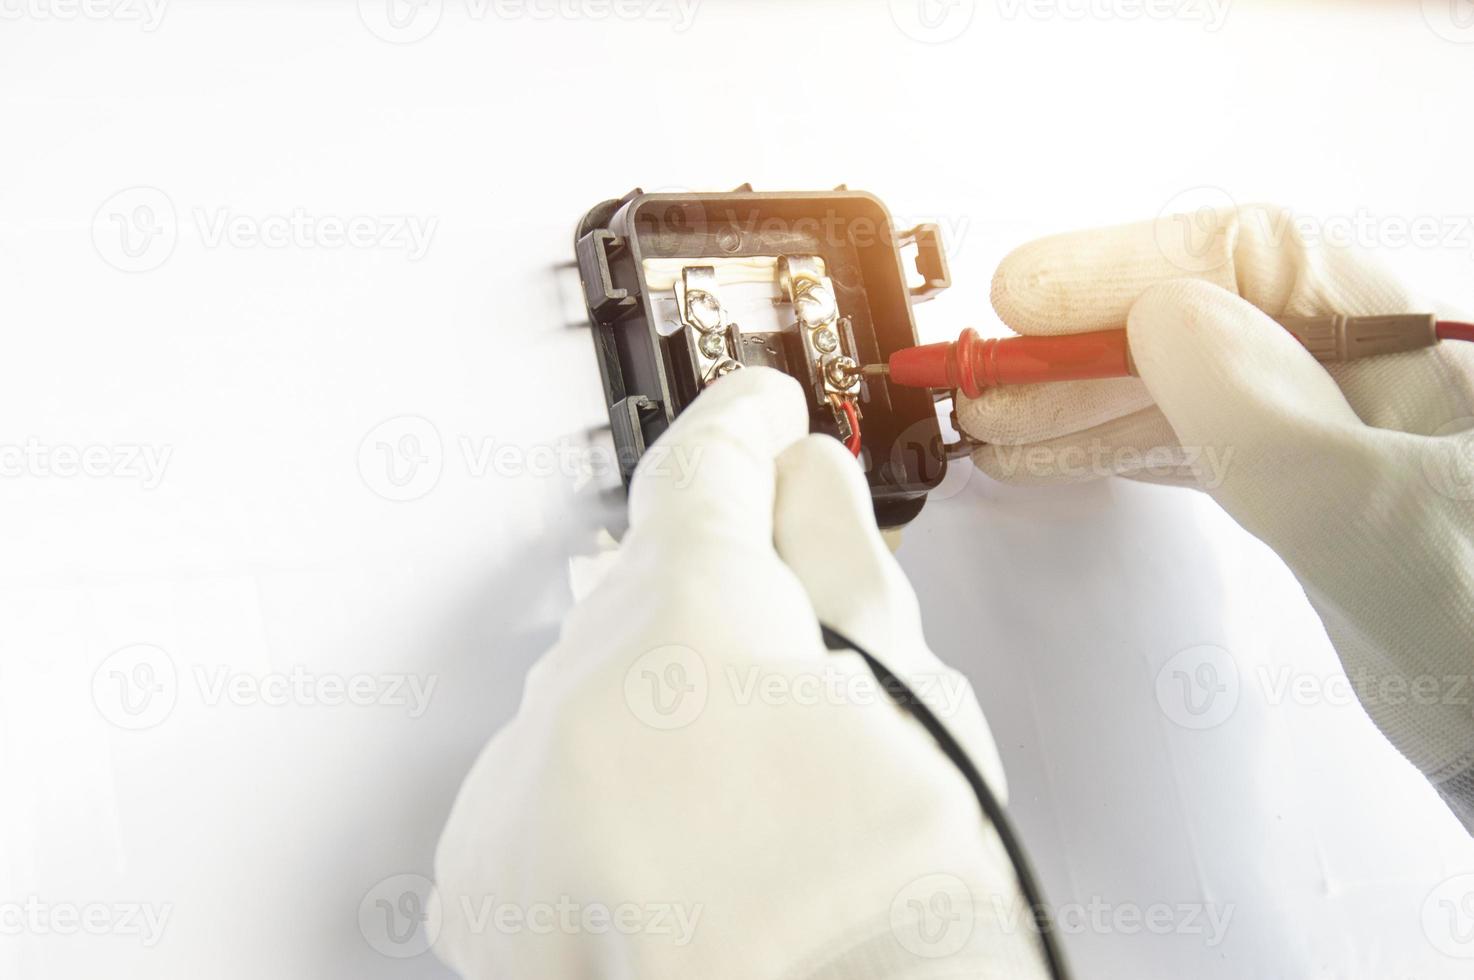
<point>683,288</point>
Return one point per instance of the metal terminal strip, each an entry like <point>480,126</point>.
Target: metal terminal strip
<point>705,324</point>
<point>804,284</point>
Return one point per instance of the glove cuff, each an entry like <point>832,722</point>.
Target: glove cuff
<point>1458,792</point>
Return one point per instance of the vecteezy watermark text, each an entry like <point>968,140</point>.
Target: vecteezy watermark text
<point>33,916</point>
<point>138,687</point>
<point>1198,228</point>
<point>408,21</point>
<point>299,686</point>
<point>1096,460</point>
<point>940,21</point>
<point>127,461</point>
<point>139,228</point>
<point>936,915</point>
<point>1209,13</point>
<point>147,14</point>
<point>402,915</point>
<point>1282,684</point>
<point>668,687</point>
<point>405,233</point>
<point>1100,917</point>
<point>403,458</point>
<point>567,916</point>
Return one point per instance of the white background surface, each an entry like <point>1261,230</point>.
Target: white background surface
<point>269,546</point>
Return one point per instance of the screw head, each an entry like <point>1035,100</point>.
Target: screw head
<point>826,340</point>
<point>815,305</point>
<point>842,372</point>
<point>703,310</point>
<point>712,344</point>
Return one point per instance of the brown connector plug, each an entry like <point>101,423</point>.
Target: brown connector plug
<point>1348,338</point>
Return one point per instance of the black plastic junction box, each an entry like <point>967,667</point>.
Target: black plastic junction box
<point>651,373</point>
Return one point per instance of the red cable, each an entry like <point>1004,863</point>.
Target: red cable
<point>853,414</point>
<point>1453,330</point>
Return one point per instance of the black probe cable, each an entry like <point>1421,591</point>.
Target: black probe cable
<point>899,692</point>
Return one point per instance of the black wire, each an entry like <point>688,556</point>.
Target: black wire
<point>906,698</point>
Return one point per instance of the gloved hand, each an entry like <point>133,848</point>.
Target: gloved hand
<point>1358,476</point>
<point>694,786</point>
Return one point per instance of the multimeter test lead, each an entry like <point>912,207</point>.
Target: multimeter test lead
<point>971,362</point>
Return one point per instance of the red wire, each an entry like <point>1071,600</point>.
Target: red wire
<point>853,414</point>
<point>1453,330</point>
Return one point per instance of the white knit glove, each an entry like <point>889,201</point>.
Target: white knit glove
<point>1361,478</point>
<point>694,786</point>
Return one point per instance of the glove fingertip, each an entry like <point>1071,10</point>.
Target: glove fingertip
<point>824,529</point>
<point>1013,415</point>
<point>1015,290</point>
<point>714,465</point>
<point>818,466</point>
